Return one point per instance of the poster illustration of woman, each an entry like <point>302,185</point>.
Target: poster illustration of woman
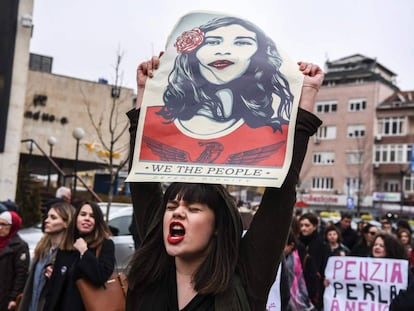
<point>221,101</point>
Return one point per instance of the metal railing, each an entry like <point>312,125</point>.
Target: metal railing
<point>60,171</point>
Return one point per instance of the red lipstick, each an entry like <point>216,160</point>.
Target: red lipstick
<point>221,64</point>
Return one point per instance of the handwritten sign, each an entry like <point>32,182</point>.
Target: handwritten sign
<point>362,283</point>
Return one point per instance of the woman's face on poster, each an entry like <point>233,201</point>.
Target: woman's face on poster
<point>226,53</point>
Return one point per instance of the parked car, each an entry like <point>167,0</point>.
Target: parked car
<point>120,218</point>
<point>119,222</point>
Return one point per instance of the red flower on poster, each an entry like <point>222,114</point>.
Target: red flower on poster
<point>189,40</point>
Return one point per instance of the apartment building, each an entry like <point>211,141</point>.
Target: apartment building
<point>393,160</point>
<point>345,168</point>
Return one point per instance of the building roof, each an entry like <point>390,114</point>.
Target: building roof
<point>399,99</point>
<point>353,62</point>
<point>356,69</point>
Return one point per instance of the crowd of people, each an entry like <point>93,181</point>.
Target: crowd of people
<point>315,241</point>
<point>75,244</point>
<point>73,236</point>
<point>192,253</point>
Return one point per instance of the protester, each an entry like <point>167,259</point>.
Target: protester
<point>77,258</point>
<point>193,255</point>
<point>314,246</point>
<point>363,247</point>
<point>63,194</point>
<point>349,235</point>
<point>386,225</point>
<point>14,260</point>
<point>386,245</point>
<point>298,282</point>
<point>333,242</point>
<point>404,236</point>
<point>56,223</point>
<point>360,225</point>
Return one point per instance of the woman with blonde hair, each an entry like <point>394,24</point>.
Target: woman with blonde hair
<point>57,221</point>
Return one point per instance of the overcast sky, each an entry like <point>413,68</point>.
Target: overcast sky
<point>83,36</point>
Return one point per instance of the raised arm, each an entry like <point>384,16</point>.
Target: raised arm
<point>263,244</point>
<point>146,197</point>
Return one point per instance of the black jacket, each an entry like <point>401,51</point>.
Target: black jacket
<point>63,295</point>
<point>261,247</point>
<point>14,267</point>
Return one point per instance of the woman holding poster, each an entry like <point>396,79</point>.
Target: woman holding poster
<point>193,255</point>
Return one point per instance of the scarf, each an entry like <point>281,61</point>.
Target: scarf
<point>16,223</point>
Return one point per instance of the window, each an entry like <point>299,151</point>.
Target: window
<point>40,63</point>
<point>392,126</point>
<point>326,132</point>
<point>323,158</point>
<point>409,183</point>
<point>392,153</point>
<point>354,185</point>
<point>391,186</point>
<point>354,157</point>
<point>357,104</point>
<point>322,183</point>
<point>121,225</point>
<point>355,131</point>
<point>326,107</point>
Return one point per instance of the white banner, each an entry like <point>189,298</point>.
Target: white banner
<point>363,283</point>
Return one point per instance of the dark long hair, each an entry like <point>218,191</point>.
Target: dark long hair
<point>99,233</point>
<point>188,92</point>
<point>393,247</point>
<point>151,262</point>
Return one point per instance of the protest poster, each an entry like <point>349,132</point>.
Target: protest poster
<point>221,108</point>
<point>274,297</point>
<point>363,283</point>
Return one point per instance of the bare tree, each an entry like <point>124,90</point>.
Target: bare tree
<point>111,146</point>
<point>361,171</point>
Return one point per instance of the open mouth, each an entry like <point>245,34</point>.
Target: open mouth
<point>221,64</point>
<point>176,234</point>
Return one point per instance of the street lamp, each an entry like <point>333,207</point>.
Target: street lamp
<point>30,146</point>
<point>78,134</point>
<point>51,141</point>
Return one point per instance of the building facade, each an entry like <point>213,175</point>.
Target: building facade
<point>393,154</point>
<point>15,34</point>
<point>341,167</point>
<point>57,106</point>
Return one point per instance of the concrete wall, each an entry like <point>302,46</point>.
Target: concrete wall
<point>9,160</point>
<point>70,98</point>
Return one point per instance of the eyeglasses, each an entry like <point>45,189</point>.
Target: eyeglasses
<point>5,225</point>
<point>372,232</point>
